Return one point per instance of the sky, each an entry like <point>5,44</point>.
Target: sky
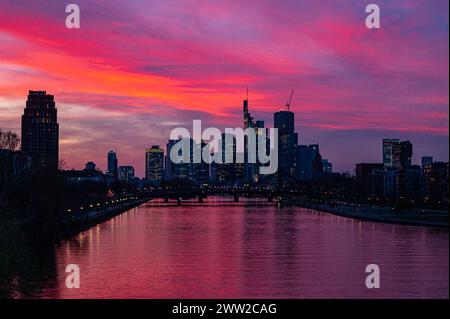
<point>135,70</point>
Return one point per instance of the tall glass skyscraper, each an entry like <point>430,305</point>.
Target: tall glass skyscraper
<point>40,130</point>
<point>388,155</point>
<point>287,141</point>
<point>154,164</point>
<point>112,164</point>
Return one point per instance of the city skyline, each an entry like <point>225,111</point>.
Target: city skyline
<point>280,121</point>
<point>354,86</point>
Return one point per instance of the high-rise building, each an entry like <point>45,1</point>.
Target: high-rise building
<point>305,158</point>
<point>436,177</point>
<point>170,166</point>
<point>426,160</point>
<point>402,153</point>
<point>327,166</point>
<point>154,164</point>
<point>318,169</point>
<point>251,170</point>
<point>388,155</point>
<point>226,171</point>
<point>198,172</point>
<point>112,164</point>
<point>410,183</point>
<point>390,180</point>
<point>40,130</point>
<point>287,141</point>
<point>126,173</point>
<point>307,162</point>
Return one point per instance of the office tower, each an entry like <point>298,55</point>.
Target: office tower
<point>287,141</point>
<point>198,172</point>
<point>327,166</point>
<point>317,164</point>
<point>410,183</point>
<point>390,180</point>
<point>126,173</point>
<point>248,119</point>
<point>388,155</point>
<point>170,167</point>
<point>154,164</point>
<point>251,170</point>
<point>226,171</point>
<point>436,176</point>
<point>90,166</point>
<point>112,164</point>
<point>40,130</point>
<point>305,158</point>
<point>307,162</point>
<point>402,154</point>
<point>426,160</point>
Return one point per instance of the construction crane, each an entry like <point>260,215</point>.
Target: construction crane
<point>288,103</point>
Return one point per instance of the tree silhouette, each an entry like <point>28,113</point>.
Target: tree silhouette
<point>9,140</point>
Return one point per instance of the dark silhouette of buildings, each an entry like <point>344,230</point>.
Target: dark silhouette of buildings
<point>112,165</point>
<point>40,130</point>
<point>90,166</point>
<point>402,153</point>
<point>126,173</point>
<point>154,165</point>
<point>327,166</point>
<point>388,154</point>
<point>426,160</point>
<point>287,141</point>
<point>251,170</point>
<point>365,175</point>
<point>436,177</point>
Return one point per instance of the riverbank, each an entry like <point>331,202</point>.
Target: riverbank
<point>74,223</point>
<point>414,217</point>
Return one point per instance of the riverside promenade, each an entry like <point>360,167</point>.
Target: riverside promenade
<point>373,213</point>
<point>81,220</point>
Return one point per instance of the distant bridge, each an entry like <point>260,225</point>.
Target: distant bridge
<point>234,191</point>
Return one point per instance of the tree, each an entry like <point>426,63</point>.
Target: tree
<point>9,140</point>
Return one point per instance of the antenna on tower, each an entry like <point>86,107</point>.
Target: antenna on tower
<point>247,93</point>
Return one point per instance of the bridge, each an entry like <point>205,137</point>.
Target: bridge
<point>235,191</point>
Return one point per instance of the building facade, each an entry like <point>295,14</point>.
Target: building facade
<point>154,164</point>
<point>40,131</point>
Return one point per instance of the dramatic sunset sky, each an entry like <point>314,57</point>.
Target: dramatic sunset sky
<point>137,69</point>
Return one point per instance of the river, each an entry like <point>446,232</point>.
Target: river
<point>250,249</point>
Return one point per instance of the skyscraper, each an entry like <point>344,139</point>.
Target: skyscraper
<point>426,160</point>
<point>40,130</point>
<point>154,164</point>
<point>112,164</point>
<point>327,166</point>
<point>250,170</point>
<point>388,155</point>
<point>402,153</point>
<point>226,171</point>
<point>305,159</point>
<point>170,166</point>
<point>126,173</point>
<point>287,141</point>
